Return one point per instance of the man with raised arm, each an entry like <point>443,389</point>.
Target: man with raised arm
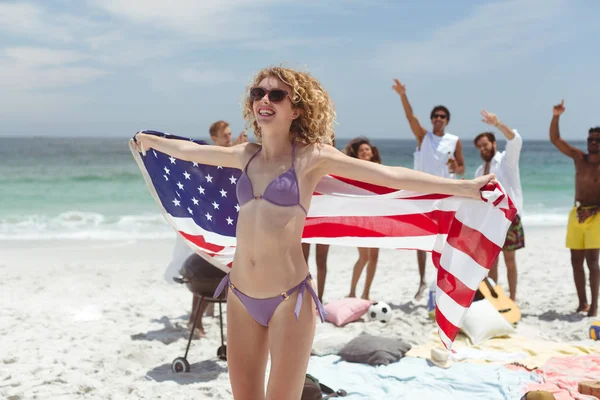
<point>505,165</point>
<point>583,229</point>
<point>438,153</point>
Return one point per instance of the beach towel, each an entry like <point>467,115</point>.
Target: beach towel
<point>562,374</point>
<point>464,235</point>
<point>418,379</point>
<point>434,153</point>
<point>529,353</point>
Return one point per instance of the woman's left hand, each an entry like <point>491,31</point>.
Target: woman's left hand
<point>479,183</point>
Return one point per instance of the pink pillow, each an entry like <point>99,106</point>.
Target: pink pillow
<point>340,312</point>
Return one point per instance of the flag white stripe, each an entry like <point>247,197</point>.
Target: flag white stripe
<point>374,206</point>
<point>445,339</point>
<point>335,187</point>
<point>415,242</point>
<point>218,261</point>
<point>462,267</point>
<point>188,226</point>
<point>490,222</point>
<point>453,311</point>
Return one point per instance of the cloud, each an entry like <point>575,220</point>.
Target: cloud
<point>29,68</point>
<point>37,108</point>
<point>241,22</point>
<point>76,45</point>
<point>173,79</point>
<point>26,20</point>
<point>495,34</point>
<point>206,20</point>
<point>292,42</point>
<point>120,49</point>
<point>20,77</point>
<point>202,76</point>
<point>37,56</point>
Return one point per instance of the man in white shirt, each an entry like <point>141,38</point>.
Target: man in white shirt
<point>438,153</point>
<point>505,165</point>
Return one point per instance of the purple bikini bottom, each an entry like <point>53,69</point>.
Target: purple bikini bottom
<point>263,309</point>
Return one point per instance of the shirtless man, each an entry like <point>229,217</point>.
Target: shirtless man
<point>583,230</point>
<point>440,158</point>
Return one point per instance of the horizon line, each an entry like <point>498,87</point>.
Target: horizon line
<point>208,139</point>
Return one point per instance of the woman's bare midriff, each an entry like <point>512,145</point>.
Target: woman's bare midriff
<point>268,258</point>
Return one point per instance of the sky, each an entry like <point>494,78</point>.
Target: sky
<point>108,68</point>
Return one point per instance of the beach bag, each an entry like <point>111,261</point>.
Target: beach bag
<point>314,390</point>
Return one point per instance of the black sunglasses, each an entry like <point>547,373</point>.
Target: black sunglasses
<point>593,140</point>
<point>440,116</point>
<point>275,95</point>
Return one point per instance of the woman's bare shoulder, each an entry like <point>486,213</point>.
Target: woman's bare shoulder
<point>315,156</point>
<point>247,147</point>
<point>244,151</point>
<point>318,149</point>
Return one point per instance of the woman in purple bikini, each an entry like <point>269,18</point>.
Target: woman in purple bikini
<point>271,302</point>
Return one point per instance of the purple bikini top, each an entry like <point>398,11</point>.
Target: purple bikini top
<point>281,191</point>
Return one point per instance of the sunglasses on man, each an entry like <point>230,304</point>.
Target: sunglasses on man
<point>593,140</point>
<point>440,116</point>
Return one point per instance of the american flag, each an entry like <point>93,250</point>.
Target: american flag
<point>464,235</point>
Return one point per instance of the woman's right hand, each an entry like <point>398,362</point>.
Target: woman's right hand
<point>141,143</point>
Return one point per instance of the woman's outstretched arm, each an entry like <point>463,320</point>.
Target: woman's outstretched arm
<point>189,151</point>
<point>333,162</point>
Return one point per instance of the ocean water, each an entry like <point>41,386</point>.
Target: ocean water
<point>92,188</point>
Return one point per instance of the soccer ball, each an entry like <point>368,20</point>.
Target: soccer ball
<point>595,330</point>
<point>379,311</point>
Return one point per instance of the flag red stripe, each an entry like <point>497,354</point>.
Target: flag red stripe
<point>435,257</point>
<point>510,213</point>
<point>199,241</point>
<point>446,326</point>
<point>473,243</point>
<point>376,189</point>
<point>427,197</point>
<point>408,225</point>
<point>454,288</point>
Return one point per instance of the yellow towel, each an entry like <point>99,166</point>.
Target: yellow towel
<point>538,351</point>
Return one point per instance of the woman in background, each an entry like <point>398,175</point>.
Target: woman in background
<point>362,149</point>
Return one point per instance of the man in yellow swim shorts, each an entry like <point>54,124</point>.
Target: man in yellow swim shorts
<point>583,230</point>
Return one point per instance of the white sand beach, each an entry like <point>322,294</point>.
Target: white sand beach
<point>95,319</point>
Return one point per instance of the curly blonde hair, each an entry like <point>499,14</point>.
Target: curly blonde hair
<point>317,116</point>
